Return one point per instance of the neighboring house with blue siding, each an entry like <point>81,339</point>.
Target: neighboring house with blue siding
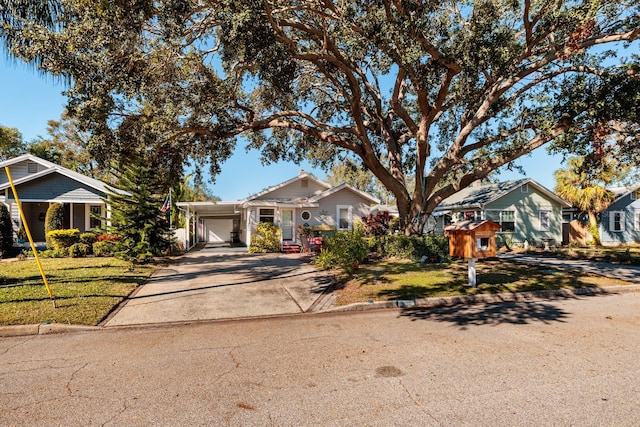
<point>301,201</point>
<point>620,222</point>
<point>39,183</point>
<point>526,210</point>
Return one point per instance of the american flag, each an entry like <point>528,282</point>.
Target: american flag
<point>167,203</point>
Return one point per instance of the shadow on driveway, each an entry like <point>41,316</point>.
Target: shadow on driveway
<point>213,284</point>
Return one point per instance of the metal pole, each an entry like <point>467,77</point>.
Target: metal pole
<point>26,229</point>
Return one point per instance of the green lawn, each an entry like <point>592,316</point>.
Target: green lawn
<point>397,280</point>
<point>86,289</point>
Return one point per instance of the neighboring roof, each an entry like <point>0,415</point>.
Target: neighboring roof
<point>54,168</point>
<point>341,187</point>
<point>480,196</point>
<point>301,175</point>
<point>621,192</point>
<point>472,225</point>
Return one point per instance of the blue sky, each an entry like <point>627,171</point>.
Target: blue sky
<point>28,100</point>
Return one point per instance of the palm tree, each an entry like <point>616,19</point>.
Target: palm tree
<point>583,190</point>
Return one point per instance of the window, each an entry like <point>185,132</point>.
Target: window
<point>304,183</point>
<point>470,216</point>
<point>635,195</point>
<point>636,221</point>
<point>616,221</point>
<point>344,217</point>
<point>267,215</point>
<point>95,216</point>
<point>524,188</point>
<point>482,243</point>
<point>305,215</point>
<point>507,219</point>
<point>545,220</point>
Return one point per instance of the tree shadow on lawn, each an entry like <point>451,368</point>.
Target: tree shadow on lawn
<point>518,313</point>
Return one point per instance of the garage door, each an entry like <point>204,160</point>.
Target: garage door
<point>218,230</point>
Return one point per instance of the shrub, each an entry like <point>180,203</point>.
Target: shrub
<point>88,238</point>
<point>346,249</point>
<point>6,229</point>
<point>54,220</point>
<point>79,250</point>
<point>377,225</point>
<point>104,248</point>
<point>51,253</point>
<point>412,247</point>
<point>109,238</point>
<point>63,239</point>
<point>266,239</point>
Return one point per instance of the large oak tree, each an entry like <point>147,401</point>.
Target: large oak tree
<point>433,93</point>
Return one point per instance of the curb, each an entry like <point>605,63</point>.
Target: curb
<point>56,328</point>
<point>43,329</point>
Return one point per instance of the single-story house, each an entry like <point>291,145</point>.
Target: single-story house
<point>526,211</point>
<point>40,183</point>
<point>300,201</point>
<point>620,222</point>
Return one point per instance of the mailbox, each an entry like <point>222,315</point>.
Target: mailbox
<point>472,239</point>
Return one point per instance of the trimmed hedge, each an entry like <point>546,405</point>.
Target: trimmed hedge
<point>63,239</point>
<point>411,247</point>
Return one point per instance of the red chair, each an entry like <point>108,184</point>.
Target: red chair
<point>315,244</point>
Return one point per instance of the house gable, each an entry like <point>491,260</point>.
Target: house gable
<point>620,222</point>
<point>23,166</point>
<point>305,185</point>
<point>59,188</point>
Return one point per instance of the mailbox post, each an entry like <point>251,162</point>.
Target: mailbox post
<point>472,240</point>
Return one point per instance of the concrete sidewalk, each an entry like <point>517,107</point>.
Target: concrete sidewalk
<point>223,283</point>
<point>627,273</point>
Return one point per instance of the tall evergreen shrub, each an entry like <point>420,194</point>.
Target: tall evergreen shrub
<point>54,220</point>
<point>6,229</point>
<point>135,214</point>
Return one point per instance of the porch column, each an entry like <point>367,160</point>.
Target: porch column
<point>187,230</point>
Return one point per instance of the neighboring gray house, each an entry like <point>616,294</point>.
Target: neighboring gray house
<point>301,201</point>
<point>526,210</point>
<point>620,222</point>
<point>39,183</point>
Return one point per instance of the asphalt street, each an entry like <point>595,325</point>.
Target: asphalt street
<point>569,361</point>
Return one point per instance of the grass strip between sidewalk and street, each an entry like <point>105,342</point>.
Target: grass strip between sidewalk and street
<point>86,289</point>
<point>404,280</point>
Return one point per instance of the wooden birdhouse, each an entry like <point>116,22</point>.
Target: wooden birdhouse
<point>472,239</point>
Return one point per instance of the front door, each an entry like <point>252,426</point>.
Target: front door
<point>287,225</point>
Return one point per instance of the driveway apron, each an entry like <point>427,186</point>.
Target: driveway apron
<point>223,283</point>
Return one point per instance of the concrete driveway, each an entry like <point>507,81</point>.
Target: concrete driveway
<point>222,283</point>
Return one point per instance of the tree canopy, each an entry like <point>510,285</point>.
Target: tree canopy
<point>427,95</point>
